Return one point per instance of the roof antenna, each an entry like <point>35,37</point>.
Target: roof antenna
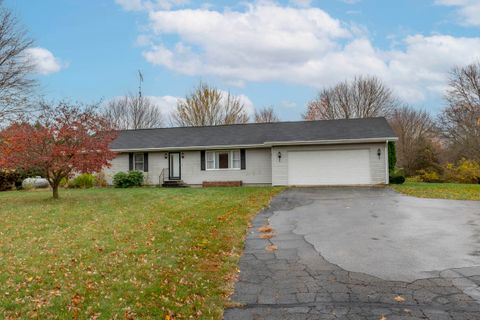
<point>140,80</point>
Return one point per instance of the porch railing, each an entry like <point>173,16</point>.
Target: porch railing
<point>161,178</point>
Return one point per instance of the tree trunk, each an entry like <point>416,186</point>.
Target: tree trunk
<point>55,191</point>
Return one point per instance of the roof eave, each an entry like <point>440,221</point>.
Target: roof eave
<point>333,141</point>
<point>263,145</point>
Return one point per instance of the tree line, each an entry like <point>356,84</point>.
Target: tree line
<point>205,106</point>
<point>425,141</point>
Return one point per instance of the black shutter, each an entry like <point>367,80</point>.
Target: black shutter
<point>145,162</point>
<point>243,162</point>
<point>202,160</point>
<point>130,161</point>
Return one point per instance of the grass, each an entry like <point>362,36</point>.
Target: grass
<point>454,191</point>
<point>142,253</point>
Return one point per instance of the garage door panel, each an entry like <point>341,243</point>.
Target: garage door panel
<point>329,167</point>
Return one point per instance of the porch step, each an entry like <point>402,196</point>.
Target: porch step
<point>173,184</point>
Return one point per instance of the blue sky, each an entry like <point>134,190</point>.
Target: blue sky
<point>270,53</point>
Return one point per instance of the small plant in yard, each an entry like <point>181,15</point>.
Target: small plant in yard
<point>396,176</point>
<point>100,179</point>
<point>82,181</point>
<point>429,176</point>
<point>128,180</point>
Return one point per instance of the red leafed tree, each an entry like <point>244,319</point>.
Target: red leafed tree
<point>64,139</point>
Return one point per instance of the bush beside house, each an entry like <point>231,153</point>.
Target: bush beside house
<point>396,176</point>
<point>128,179</point>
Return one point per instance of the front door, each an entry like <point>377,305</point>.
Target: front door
<point>174,166</point>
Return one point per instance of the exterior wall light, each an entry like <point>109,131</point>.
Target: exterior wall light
<point>166,155</point>
<point>279,155</point>
<point>183,155</point>
<point>379,153</point>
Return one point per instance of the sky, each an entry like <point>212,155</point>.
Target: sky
<point>269,53</point>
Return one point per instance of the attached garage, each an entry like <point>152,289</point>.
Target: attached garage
<point>329,167</point>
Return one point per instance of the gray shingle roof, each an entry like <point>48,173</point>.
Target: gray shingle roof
<point>252,134</point>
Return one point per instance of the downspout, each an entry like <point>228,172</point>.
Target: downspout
<point>387,173</point>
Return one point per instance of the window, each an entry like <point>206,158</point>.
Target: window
<point>139,162</point>
<point>210,160</point>
<point>223,159</point>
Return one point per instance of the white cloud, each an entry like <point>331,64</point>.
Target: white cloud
<point>247,103</point>
<point>288,104</point>
<point>422,68</point>
<point>270,42</point>
<point>167,104</point>
<point>138,5</point>
<point>468,10</point>
<point>43,60</point>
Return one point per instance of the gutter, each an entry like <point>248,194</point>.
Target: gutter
<point>263,145</point>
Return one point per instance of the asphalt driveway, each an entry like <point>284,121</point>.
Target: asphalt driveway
<point>361,253</point>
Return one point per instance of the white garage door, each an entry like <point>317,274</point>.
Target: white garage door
<point>329,167</point>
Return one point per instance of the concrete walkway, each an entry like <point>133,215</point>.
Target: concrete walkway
<point>297,281</point>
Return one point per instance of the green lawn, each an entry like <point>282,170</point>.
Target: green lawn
<point>455,191</point>
<point>123,253</point>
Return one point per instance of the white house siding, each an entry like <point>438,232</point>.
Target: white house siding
<point>258,168</point>
<point>120,163</point>
<point>377,166</point>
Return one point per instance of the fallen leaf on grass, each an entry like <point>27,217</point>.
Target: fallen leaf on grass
<point>399,299</point>
<point>383,318</point>
<point>265,229</point>
<point>76,299</point>
<point>266,235</point>
<point>169,317</point>
<point>128,314</point>
<point>271,247</point>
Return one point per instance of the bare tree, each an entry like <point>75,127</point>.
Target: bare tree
<point>266,115</point>
<point>361,98</point>
<point>209,106</point>
<point>416,133</point>
<point>133,112</point>
<point>460,120</point>
<point>15,67</point>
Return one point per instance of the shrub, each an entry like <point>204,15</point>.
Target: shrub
<point>127,180</point>
<point>397,176</point>
<point>392,156</point>
<point>64,182</point>
<point>8,179</point>
<point>100,179</point>
<point>428,176</point>
<point>83,181</point>
<point>466,171</point>
<point>397,179</point>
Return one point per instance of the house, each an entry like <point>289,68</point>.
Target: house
<point>326,152</point>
